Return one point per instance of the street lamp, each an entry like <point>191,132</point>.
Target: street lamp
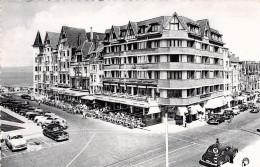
<point>166,136</point>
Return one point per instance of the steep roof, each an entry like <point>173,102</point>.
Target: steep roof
<point>74,35</point>
<point>234,59</point>
<point>86,47</point>
<point>202,24</point>
<point>54,39</point>
<point>38,40</point>
<point>101,36</point>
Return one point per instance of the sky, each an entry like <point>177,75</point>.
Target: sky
<point>237,20</point>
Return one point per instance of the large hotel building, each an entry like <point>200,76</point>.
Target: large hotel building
<point>167,63</point>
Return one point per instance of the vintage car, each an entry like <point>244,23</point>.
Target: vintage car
<point>255,110</point>
<point>251,105</point>
<point>25,96</point>
<point>243,107</point>
<point>236,110</point>
<point>228,113</point>
<point>60,121</point>
<point>15,141</point>
<point>258,100</point>
<point>258,130</point>
<point>24,111</point>
<point>55,132</point>
<point>42,115</point>
<point>216,120</point>
<point>33,113</point>
<point>218,154</point>
<point>47,119</point>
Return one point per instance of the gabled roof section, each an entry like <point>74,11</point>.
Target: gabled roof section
<point>85,48</point>
<point>38,40</point>
<point>116,30</point>
<point>53,37</point>
<point>134,26</point>
<point>169,19</point>
<point>203,25</point>
<point>73,35</point>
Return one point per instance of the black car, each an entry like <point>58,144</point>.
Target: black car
<point>255,110</point>
<point>55,132</point>
<point>31,116</point>
<point>218,154</point>
<point>216,120</point>
<point>25,96</point>
<point>258,130</point>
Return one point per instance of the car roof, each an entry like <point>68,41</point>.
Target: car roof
<point>14,134</point>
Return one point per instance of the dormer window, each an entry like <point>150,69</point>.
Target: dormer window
<point>206,33</point>
<point>122,33</point>
<point>154,27</point>
<point>131,32</point>
<point>141,29</point>
<point>175,24</point>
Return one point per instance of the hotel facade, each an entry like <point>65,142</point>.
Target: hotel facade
<point>165,64</point>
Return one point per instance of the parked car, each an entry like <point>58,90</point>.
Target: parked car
<point>42,120</point>
<point>218,154</point>
<point>216,120</point>
<point>258,130</point>
<point>255,110</point>
<point>55,132</point>
<point>258,100</point>
<point>236,110</point>
<point>26,96</point>
<point>16,141</point>
<point>44,114</point>
<point>228,113</point>
<point>251,105</point>
<point>243,107</point>
<point>60,121</point>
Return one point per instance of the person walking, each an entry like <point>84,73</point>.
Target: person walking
<point>84,114</point>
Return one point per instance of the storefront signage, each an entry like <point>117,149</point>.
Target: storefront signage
<point>205,95</point>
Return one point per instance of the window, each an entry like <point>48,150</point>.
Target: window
<point>156,74</point>
<point>174,75</point>
<point>141,29</point>
<point>157,58</point>
<point>174,93</point>
<point>190,74</point>
<point>155,44</point>
<point>190,58</point>
<point>198,91</point>
<point>190,92</point>
<point>122,33</point>
<point>211,89</point>
<point>174,58</point>
<point>154,28</point>
<point>175,25</point>
<point>174,43</point>
<point>190,44</point>
<point>206,33</point>
<point>198,74</point>
<point>142,45</point>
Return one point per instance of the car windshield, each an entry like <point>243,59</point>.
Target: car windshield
<point>17,137</point>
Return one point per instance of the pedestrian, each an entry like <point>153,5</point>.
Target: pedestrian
<point>84,114</point>
<point>217,141</point>
<point>39,102</point>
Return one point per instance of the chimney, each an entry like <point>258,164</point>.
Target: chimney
<point>91,34</point>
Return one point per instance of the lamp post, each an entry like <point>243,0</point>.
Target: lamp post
<point>166,136</point>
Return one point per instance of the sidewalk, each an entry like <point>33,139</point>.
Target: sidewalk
<point>173,128</point>
<point>251,152</point>
<point>30,128</point>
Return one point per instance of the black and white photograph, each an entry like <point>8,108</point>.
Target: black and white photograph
<point>130,83</point>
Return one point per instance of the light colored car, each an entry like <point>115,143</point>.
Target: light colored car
<point>60,121</point>
<point>42,116</point>
<point>236,110</point>
<point>47,120</point>
<point>16,141</point>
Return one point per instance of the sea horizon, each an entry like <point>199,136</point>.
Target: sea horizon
<point>16,76</point>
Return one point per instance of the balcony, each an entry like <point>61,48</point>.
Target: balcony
<point>165,50</point>
<point>175,34</point>
<point>189,100</point>
<point>188,83</point>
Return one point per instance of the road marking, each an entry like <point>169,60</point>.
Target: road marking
<point>44,141</point>
<point>164,154</point>
<point>187,141</point>
<point>249,132</point>
<point>4,154</point>
<point>81,150</point>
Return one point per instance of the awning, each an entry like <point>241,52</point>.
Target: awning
<point>154,110</point>
<point>77,93</point>
<point>214,103</point>
<point>194,109</point>
<point>229,98</point>
<point>88,97</point>
<point>181,111</point>
<point>240,98</point>
<point>224,101</point>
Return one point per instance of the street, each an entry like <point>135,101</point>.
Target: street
<point>95,142</point>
